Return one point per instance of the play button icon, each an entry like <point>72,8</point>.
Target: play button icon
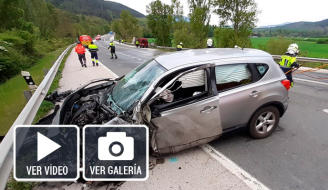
<point>46,153</point>
<point>45,146</point>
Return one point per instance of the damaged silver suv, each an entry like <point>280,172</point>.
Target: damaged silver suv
<point>187,98</point>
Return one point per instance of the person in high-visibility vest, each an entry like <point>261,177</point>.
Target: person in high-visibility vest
<point>179,46</point>
<point>80,50</point>
<point>112,49</point>
<point>288,62</point>
<point>93,48</point>
<point>137,43</point>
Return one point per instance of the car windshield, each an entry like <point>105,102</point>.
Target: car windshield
<point>131,88</point>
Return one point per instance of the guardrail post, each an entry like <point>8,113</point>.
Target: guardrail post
<point>28,94</point>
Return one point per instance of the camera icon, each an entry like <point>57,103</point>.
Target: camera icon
<point>116,146</point>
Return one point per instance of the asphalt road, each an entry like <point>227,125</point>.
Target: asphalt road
<point>294,157</point>
<point>128,57</point>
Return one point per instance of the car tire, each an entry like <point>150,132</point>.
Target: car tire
<point>263,122</point>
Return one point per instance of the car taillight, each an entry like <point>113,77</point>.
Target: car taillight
<point>286,84</point>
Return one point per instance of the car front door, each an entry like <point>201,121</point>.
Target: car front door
<point>193,117</point>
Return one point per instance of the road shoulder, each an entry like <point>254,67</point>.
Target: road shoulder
<point>190,169</point>
<point>75,76</point>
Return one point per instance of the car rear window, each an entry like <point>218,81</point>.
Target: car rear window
<point>262,69</point>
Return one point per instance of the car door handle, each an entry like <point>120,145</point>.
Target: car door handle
<point>208,109</point>
<point>254,94</point>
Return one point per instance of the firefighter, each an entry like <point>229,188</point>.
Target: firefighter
<point>179,46</point>
<point>93,48</point>
<point>80,50</point>
<point>288,62</point>
<point>137,43</point>
<point>112,49</point>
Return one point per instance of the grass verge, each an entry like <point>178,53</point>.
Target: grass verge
<point>12,99</point>
<point>315,65</point>
<point>47,106</point>
<point>15,185</point>
<point>307,48</point>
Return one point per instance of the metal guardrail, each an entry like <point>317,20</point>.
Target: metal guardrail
<point>25,118</point>
<point>275,57</point>
<point>169,48</point>
<point>158,47</point>
<point>304,59</point>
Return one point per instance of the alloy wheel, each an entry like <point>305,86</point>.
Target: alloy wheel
<point>265,122</point>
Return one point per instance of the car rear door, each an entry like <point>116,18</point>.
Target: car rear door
<point>194,121</point>
<point>239,95</point>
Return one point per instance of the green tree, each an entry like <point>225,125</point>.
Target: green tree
<point>199,21</point>
<point>31,28</point>
<point>241,14</point>
<point>177,9</point>
<point>160,21</point>
<point>180,26</point>
<point>277,46</point>
<point>223,36</point>
<point>11,16</point>
<point>126,26</point>
<point>211,30</point>
<point>184,34</point>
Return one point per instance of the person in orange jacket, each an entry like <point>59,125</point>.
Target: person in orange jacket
<point>80,50</point>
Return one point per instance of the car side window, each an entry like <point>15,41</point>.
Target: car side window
<point>232,76</point>
<point>262,69</point>
<point>189,85</point>
<point>188,88</point>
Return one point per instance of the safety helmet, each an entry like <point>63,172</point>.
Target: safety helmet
<point>181,43</point>
<point>293,49</point>
<point>293,46</point>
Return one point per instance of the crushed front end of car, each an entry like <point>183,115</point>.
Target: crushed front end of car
<point>87,105</point>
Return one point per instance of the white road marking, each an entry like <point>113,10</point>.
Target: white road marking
<point>311,81</point>
<point>112,73</point>
<point>244,176</point>
<point>325,110</point>
<point>133,57</point>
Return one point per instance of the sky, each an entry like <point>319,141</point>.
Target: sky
<point>271,12</point>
